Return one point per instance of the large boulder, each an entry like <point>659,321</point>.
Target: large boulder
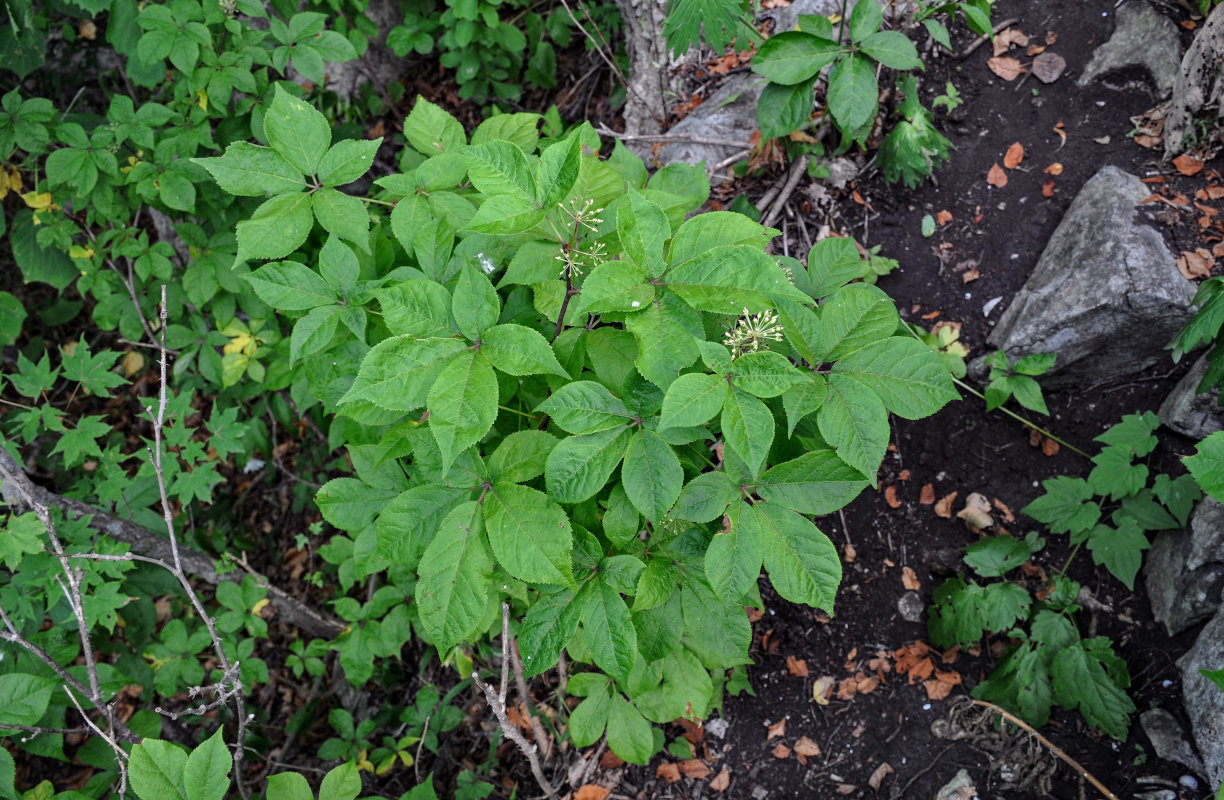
<point>1190,413</point>
<point>1106,295</point>
<point>1184,570</point>
<point>1204,700</point>
<point>1142,38</point>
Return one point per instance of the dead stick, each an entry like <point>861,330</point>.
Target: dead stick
<point>1071,762</point>
<point>797,171</point>
<point>981,40</point>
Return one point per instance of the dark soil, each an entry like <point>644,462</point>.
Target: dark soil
<point>1001,232</point>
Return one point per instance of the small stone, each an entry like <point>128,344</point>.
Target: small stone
<point>717,726</point>
<point>1188,781</point>
<point>1168,739</point>
<point>954,789</point>
<point>911,607</point>
<point>759,793</point>
<point>1048,67</point>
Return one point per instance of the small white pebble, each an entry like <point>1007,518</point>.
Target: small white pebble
<point>926,706</point>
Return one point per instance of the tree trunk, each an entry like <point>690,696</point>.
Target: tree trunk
<point>650,83</point>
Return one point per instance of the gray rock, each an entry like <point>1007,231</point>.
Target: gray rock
<point>730,114</point>
<point>1184,570</point>
<point>1158,794</point>
<point>1168,739</point>
<point>1203,699</point>
<point>1144,38</point>
<point>954,789</point>
<point>911,607</point>
<point>1190,413</point>
<point>1105,295</point>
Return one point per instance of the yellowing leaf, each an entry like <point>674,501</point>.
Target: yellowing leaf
<point>238,343</point>
<point>76,251</point>
<point>260,606</point>
<point>39,201</point>
<point>202,102</point>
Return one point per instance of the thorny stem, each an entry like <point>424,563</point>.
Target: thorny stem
<point>1021,419</point>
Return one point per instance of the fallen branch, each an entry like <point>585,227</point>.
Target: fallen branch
<point>797,171</point>
<point>16,489</point>
<point>604,130</point>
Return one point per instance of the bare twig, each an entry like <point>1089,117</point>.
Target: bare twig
<point>981,40</point>
<point>520,682</point>
<point>121,757</point>
<point>604,130</point>
<point>497,702</point>
<point>797,171</point>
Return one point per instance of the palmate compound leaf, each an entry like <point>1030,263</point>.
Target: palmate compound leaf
<point>529,534</point>
<point>454,577</point>
<point>719,22</point>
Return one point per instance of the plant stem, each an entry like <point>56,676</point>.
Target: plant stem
<point>1019,418</point>
<point>1074,551</point>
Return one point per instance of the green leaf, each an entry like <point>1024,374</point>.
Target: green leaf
<point>904,373</point>
<point>419,308</point>
<point>1066,506</point>
<point>557,171</point>
<point>580,466</point>
<point>92,370</point>
<point>705,497</point>
<point>714,22</point>
<point>704,232</point>
<point>765,373</point>
<point>517,350</point>
<point>588,720</point>
<point>476,305</point>
<point>1207,465</point>
<point>1120,550</point>
<point>206,775</point>
<point>793,57</point>
<point>500,167</point>
<point>341,783</point>
<point>615,286</point>
<point>583,407</point>
<point>247,170</point>
<point>342,215</point>
<point>1081,682</point>
<point>748,428</point>
<point>852,317</point>
<point>693,399</point>
<point>817,482</point>
<point>504,215</point>
<point>629,734</point>
<point>802,400</point>
<point>1115,475</point>
<point>782,109</point>
<point>855,423</point>
<point>734,557</point>
<point>398,372</point>
<point>893,49</point>
<point>408,523</point>
<point>455,573</point>
<point>643,228</point>
<point>155,770</point>
<point>530,535</point>
<point>290,286</point>
<point>1004,604</point>
<point>609,632</point>
<point>277,228</point>
<point>23,698</point>
<point>864,22</point>
<point>431,130</point>
<point>81,441</point>
<point>652,475</point>
<point>833,262</point>
<point>462,404</point>
<point>347,161</point>
<point>729,279</point>
<point>351,504</point>
<point>521,456</point>
<point>994,556</point>
<point>853,92</point>
<point>37,263</point>
<point>664,332</point>
<point>803,565</point>
<point>549,624</point>
<point>297,131</point>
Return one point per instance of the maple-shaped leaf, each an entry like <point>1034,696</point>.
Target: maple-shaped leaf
<point>1119,549</point>
<point>1082,682</point>
<point>81,441</point>
<point>92,371</point>
<point>1066,506</point>
<point>914,148</point>
<point>719,22</point>
<point>196,482</point>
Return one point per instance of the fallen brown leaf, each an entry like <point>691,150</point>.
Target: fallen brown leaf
<point>976,512</point>
<point>1188,165</point>
<point>941,685</point>
<point>970,275</point>
<point>1051,37</point>
<point>1189,24</point>
<point>1049,67</point>
<point>928,494</point>
<point>610,760</point>
<point>865,684</point>
<point>1047,189</point>
<point>797,667</point>
<point>943,217</point>
<point>1214,192</point>
<point>909,579</point>
<point>591,791</point>
<point>1006,67</point>
<point>777,729</point>
<point>822,688</point>
<point>944,507</point>
<point>849,553</point>
<point>877,777</point>
<point>921,670</point>
<point>846,788</point>
<point>695,768</point>
<point>1054,169</point>
<point>806,747</point>
<point>996,176</point>
<point>890,496</point>
<point>847,689</point>
<point>668,772</point>
<point>1193,266</point>
<point>781,751</point>
<point>693,732</point>
<point>1049,447</point>
<point>951,654</point>
<point>1034,49</point>
<point>87,29</point>
<point>722,780</point>
<point>1004,40</point>
<point>1004,510</point>
<point>1013,156</point>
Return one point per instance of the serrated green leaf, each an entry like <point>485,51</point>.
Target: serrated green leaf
<point>729,279</point>
<point>817,482</point>
<point>530,535</point>
<point>455,574</point>
<point>590,718</point>
<point>802,400</point>
<point>557,171</point>
<point>765,373</point>
<point>783,109</point>
<point>289,786</point>
<point>549,624</point>
<point>735,555</point>
<point>853,93</point>
<point>994,556</point>
<point>893,49</point>
<point>351,504</point>
<point>608,629</point>
<point>793,57</point>
<point>1120,550</point>
<point>651,474</point>
<point>476,305</point>
<point>504,215</point>
<point>462,404</point>
<point>24,698</point>
<point>614,286</point>
<point>155,769</point>
<point>342,782</point>
<point>206,774</point>
<point>1134,433</point>
<point>855,423</point>
<point>584,407</point>
<point>705,498</point>
<point>664,331</point>
<point>629,734</point>
<point>704,232</point>
<point>347,161</point>
<point>642,228</point>
<point>247,170</point>
<point>864,22</point>
<point>693,399</point>
<point>1207,465</point>
<point>398,372</point>
<point>500,168</point>
<point>290,286</point>
<point>407,524</point>
<point>1066,506</point>
<point>803,565</point>
<point>1003,604</point>
<point>521,456</point>
<point>342,215</point>
<point>419,308</point>
<point>1081,682</point>
<point>278,227</point>
<point>852,317</point>
<point>580,466</point>
<point>748,428</point>
<point>903,372</point>
<point>517,350</point>
<point>431,130</point>
<point>1115,475</point>
<point>297,131</point>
